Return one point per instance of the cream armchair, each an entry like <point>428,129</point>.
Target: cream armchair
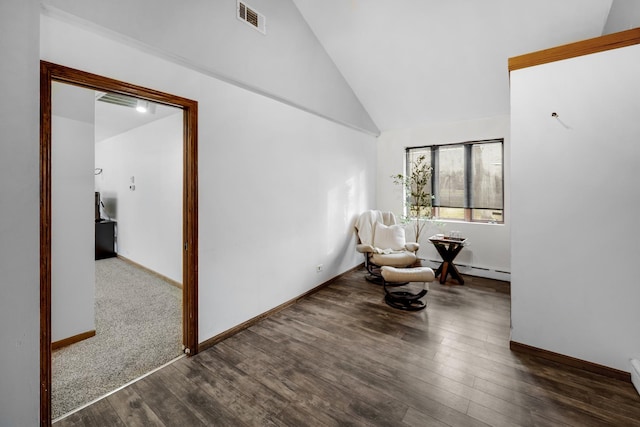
<point>382,242</point>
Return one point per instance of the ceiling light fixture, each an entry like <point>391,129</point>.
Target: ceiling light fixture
<point>142,106</point>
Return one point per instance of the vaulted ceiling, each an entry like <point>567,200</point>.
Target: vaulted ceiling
<point>415,62</point>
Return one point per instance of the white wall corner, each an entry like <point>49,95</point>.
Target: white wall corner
<point>635,373</point>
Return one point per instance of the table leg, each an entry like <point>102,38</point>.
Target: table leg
<point>447,267</point>
<point>455,274</point>
<point>444,272</point>
<point>438,270</point>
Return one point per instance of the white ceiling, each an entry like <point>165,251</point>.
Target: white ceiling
<point>415,62</point>
<point>112,120</point>
<point>77,103</point>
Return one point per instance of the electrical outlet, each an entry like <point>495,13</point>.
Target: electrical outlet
<point>319,268</point>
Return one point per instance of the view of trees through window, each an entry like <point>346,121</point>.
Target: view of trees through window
<point>467,180</point>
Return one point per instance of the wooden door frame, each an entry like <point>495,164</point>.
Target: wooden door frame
<point>49,73</point>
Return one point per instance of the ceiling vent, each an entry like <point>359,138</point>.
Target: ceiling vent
<point>117,99</point>
<point>126,101</point>
<point>252,17</point>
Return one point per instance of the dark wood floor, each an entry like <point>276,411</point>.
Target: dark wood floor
<point>342,357</point>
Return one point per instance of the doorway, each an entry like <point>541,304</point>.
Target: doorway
<point>55,73</point>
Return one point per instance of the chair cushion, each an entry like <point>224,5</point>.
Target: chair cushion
<point>389,237</point>
<point>394,259</point>
<point>417,274</point>
<point>365,224</point>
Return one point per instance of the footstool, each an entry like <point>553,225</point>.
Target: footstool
<point>404,300</point>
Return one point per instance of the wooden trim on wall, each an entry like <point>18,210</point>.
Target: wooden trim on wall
<point>571,361</point>
<point>49,73</point>
<point>72,340</point>
<point>190,227</point>
<point>572,50</point>
<point>230,332</point>
<point>45,245</point>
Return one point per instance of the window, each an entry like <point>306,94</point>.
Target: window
<point>467,180</point>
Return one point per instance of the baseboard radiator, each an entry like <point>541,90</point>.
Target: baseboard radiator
<point>475,271</point>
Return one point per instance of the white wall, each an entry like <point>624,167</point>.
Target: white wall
<point>575,206</point>
<point>149,218</point>
<point>624,15</point>
<point>72,225</point>
<point>489,244</point>
<point>19,210</point>
<point>287,64</point>
<point>279,188</point>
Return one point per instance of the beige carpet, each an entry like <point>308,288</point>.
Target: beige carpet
<point>138,328</point>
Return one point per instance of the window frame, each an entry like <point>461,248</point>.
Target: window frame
<point>468,176</point>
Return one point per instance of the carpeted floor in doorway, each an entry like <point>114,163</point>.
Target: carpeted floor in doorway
<point>138,328</point>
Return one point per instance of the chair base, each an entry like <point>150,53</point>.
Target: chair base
<point>405,300</point>
<point>372,278</point>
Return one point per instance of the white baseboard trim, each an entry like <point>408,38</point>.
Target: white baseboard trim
<point>472,270</point>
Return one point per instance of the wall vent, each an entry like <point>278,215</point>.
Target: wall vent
<point>252,17</point>
<point>126,101</point>
<point>117,99</point>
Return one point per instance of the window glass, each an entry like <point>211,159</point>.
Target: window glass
<point>415,154</point>
<point>451,213</point>
<point>486,178</point>
<point>419,206</point>
<point>450,191</point>
<point>467,182</point>
<point>487,215</point>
